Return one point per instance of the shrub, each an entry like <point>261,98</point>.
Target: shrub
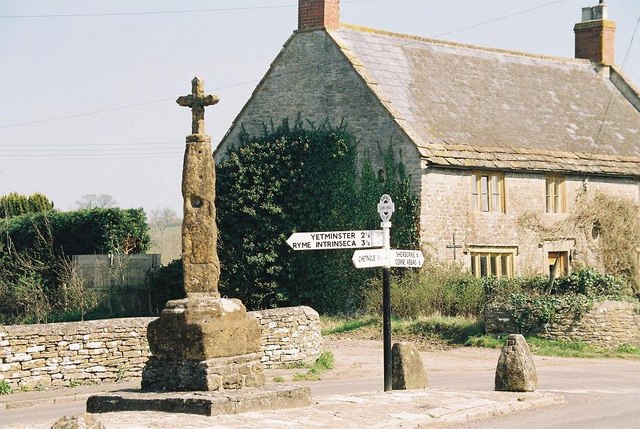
<point>5,388</point>
<point>572,296</point>
<point>439,288</point>
<point>590,283</point>
<point>166,284</point>
<point>79,232</point>
<point>38,282</point>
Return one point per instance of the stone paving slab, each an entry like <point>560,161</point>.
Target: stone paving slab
<point>203,403</point>
<point>407,409</point>
<point>59,396</point>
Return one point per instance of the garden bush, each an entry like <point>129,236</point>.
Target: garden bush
<point>439,288</point>
<point>38,282</point>
<point>531,309</point>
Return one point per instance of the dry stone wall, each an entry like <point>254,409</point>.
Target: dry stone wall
<point>68,354</point>
<point>608,324</point>
<point>290,334</point>
<point>73,353</point>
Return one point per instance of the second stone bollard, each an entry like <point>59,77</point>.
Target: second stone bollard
<point>407,368</point>
<point>516,371</point>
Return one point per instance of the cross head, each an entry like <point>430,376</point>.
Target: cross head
<point>197,101</point>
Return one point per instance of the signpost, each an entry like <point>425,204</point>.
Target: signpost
<point>370,258</point>
<point>406,258</point>
<point>386,209</point>
<point>335,240</point>
<point>379,254</point>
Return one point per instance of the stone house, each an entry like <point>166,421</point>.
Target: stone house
<point>490,137</point>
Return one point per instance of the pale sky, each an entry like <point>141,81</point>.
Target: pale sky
<point>88,88</point>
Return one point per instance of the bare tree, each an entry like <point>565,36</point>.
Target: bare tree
<point>161,218</point>
<point>166,239</point>
<point>93,201</point>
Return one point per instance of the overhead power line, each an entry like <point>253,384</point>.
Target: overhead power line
<point>499,18</point>
<point>52,145</point>
<point>162,12</point>
<point>114,109</point>
<point>95,155</point>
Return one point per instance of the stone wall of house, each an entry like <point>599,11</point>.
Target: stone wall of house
<point>73,353</point>
<point>608,324</point>
<point>446,198</point>
<point>339,93</point>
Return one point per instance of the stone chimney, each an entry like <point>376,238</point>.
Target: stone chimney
<point>315,14</point>
<point>595,35</point>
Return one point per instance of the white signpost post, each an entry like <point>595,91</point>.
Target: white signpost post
<point>378,254</point>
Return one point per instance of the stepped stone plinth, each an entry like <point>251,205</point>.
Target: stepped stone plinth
<point>203,343</point>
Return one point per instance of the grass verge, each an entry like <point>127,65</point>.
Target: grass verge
<point>451,330</point>
<point>324,362</point>
<point>545,347</point>
<point>465,332</point>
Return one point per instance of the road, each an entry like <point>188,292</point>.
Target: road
<point>600,392</point>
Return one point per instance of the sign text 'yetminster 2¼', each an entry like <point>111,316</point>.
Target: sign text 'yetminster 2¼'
<point>335,240</point>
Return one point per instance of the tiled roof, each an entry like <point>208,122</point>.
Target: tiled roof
<point>466,106</point>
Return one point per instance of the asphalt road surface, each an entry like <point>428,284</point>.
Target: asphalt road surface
<point>600,393</point>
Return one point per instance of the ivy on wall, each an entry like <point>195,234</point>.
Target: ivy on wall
<point>531,309</point>
<point>302,179</point>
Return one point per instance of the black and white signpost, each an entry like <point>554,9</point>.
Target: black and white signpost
<point>378,254</point>
<point>386,209</point>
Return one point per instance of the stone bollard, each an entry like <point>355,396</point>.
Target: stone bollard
<point>516,371</point>
<point>79,421</point>
<point>407,369</point>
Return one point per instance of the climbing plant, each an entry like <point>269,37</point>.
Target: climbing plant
<point>302,178</point>
<point>606,229</point>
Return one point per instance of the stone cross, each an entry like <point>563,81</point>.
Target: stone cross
<point>454,246</point>
<point>197,101</point>
<point>199,231</point>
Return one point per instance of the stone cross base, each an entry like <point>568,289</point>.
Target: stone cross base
<point>234,372</point>
<point>203,327</point>
<point>203,343</point>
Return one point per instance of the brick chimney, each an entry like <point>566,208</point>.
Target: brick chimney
<point>315,14</point>
<point>595,35</point>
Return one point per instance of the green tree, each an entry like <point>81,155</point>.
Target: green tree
<point>15,204</point>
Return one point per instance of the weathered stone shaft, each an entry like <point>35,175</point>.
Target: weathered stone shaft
<point>199,230</point>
